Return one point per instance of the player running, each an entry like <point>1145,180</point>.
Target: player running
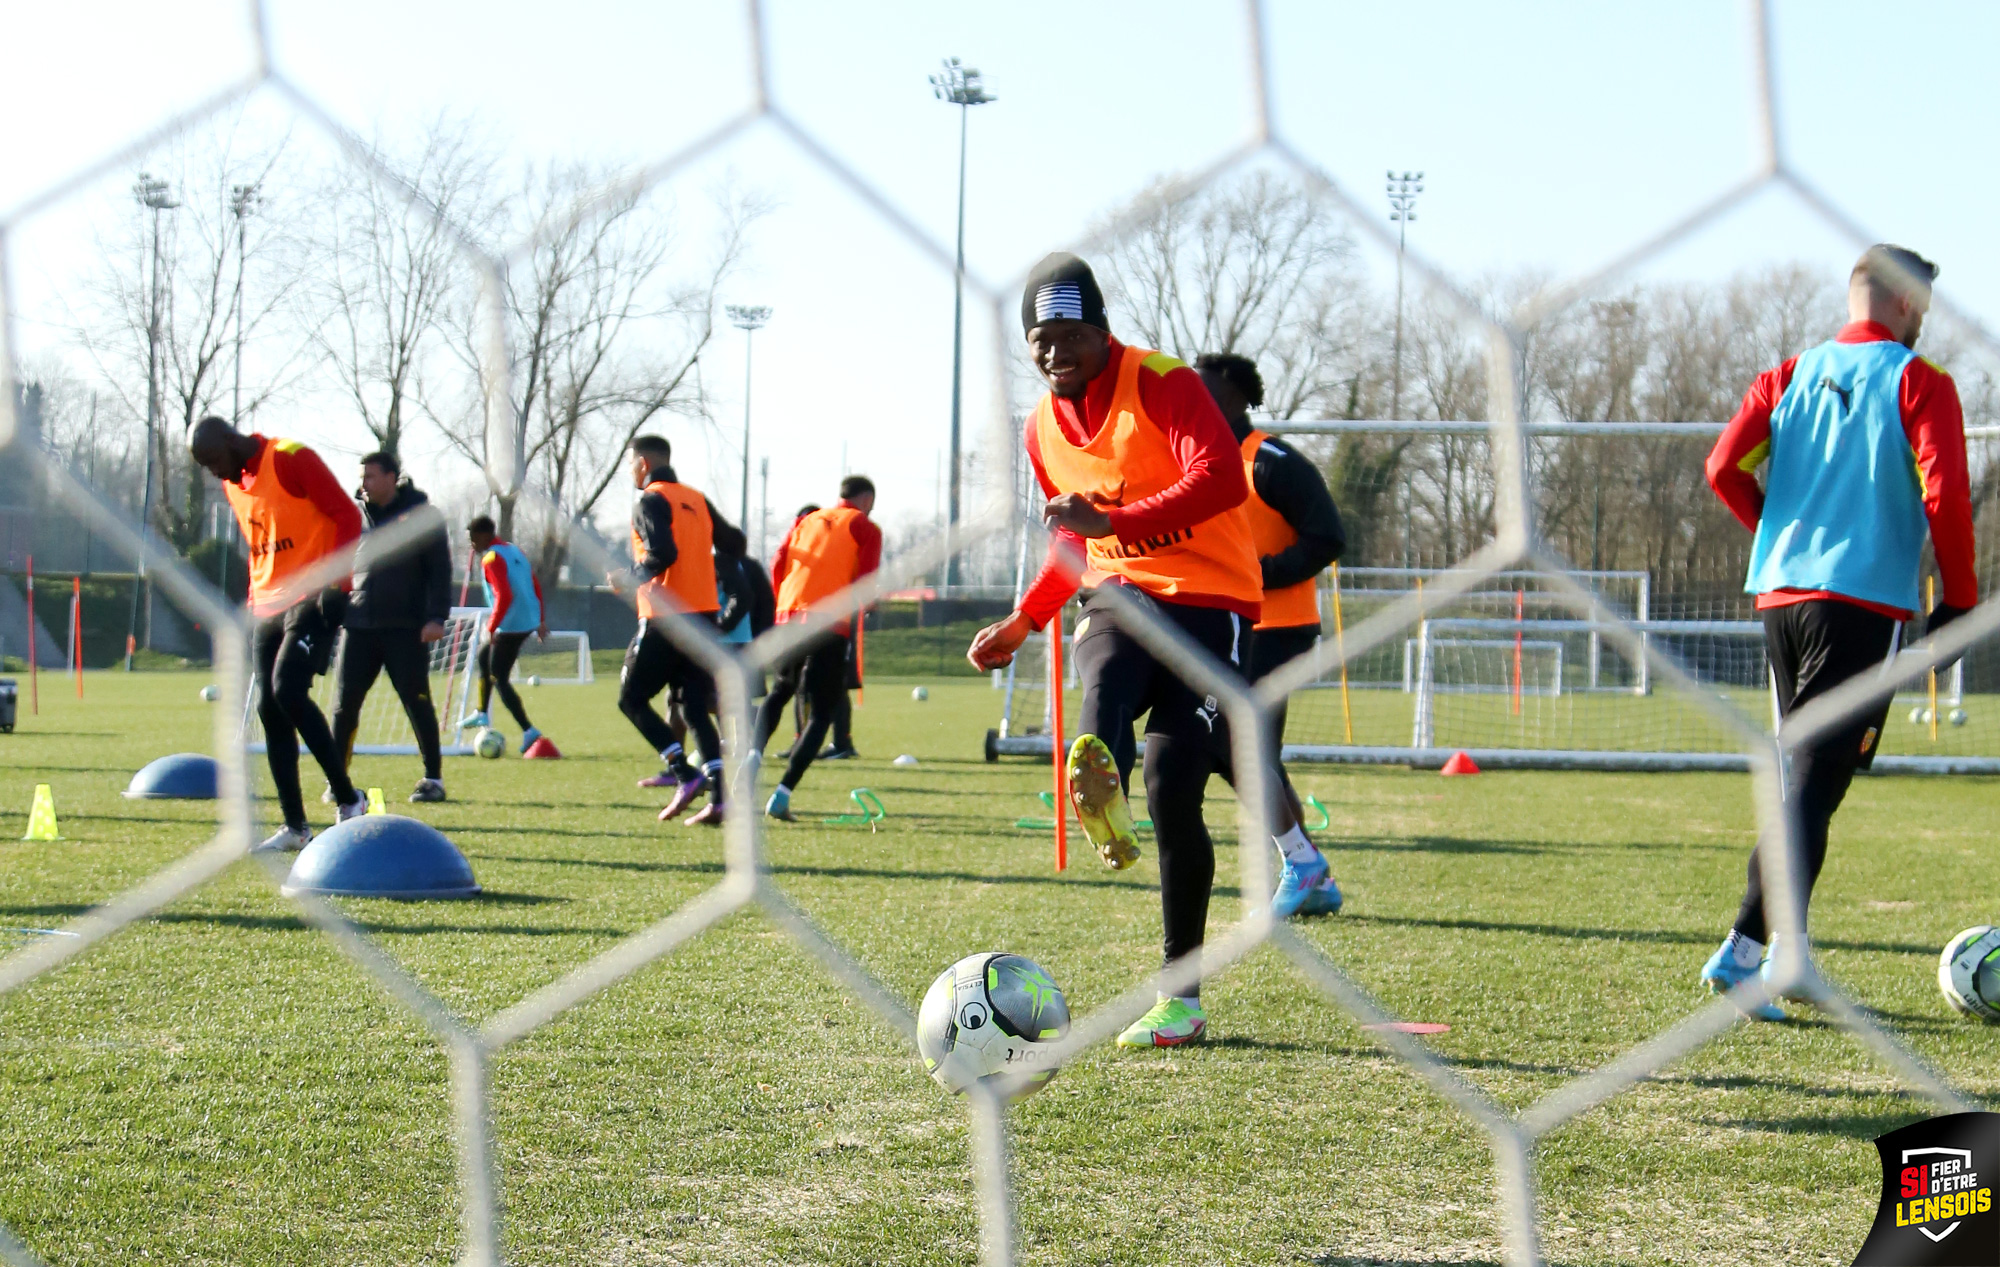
<point>399,606</point>
<point>514,603</point>
<point>825,552</point>
<point>1144,483</point>
<point>294,514</point>
<point>1296,530</point>
<point>1865,442</point>
<point>675,531</point>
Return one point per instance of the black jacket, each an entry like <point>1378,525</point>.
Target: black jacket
<point>411,588</point>
<point>1288,483</point>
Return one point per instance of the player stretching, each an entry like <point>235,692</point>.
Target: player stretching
<point>825,552</point>
<point>1296,530</point>
<point>675,531</point>
<point>1866,445</point>
<point>1137,462</point>
<point>514,597</point>
<point>294,514</point>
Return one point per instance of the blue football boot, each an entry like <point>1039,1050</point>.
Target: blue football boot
<point>1296,885</point>
<point>1325,898</point>
<point>1722,973</point>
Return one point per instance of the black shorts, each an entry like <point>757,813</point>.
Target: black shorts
<point>653,663</point>
<point>1272,649</point>
<point>1122,679</point>
<point>1815,646</point>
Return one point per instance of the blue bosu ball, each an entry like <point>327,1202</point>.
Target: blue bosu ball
<point>185,776</point>
<point>382,855</point>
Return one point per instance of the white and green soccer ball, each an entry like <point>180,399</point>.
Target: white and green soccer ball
<point>1969,972</point>
<point>991,1015</point>
<point>534,679</point>
<point>489,743</point>
<point>1957,717</point>
<point>921,694</point>
<point>209,694</point>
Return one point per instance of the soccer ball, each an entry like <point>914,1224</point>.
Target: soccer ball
<point>990,1014</point>
<point>1920,716</point>
<point>209,694</point>
<point>1957,717</point>
<point>534,680</point>
<point>1969,972</point>
<point>921,694</point>
<point>489,743</point>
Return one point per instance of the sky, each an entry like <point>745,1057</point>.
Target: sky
<point>1552,138</point>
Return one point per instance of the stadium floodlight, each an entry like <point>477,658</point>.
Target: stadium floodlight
<point>958,85</point>
<point>749,321</point>
<point>154,195</point>
<point>1403,191</point>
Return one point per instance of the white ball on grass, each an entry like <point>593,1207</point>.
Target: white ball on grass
<point>921,694</point>
<point>1957,717</point>
<point>1917,715</point>
<point>534,680</point>
<point>489,743</point>
<point>210,694</point>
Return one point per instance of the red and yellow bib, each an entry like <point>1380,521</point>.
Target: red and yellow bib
<point>287,533</point>
<point>821,555</point>
<point>688,585</point>
<point>1128,460</point>
<point>1293,605</point>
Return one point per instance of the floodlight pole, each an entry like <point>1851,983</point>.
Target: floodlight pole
<point>749,321</point>
<point>1403,191</point>
<point>155,196</point>
<point>958,85</point>
<point>764,507</point>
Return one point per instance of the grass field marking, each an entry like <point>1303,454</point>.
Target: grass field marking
<point>1348,994</point>
<point>1636,1063</point>
<point>630,955</point>
<point>844,967</point>
<point>100,922</point>
<point>1828,998</point>
<point>1377,629</point>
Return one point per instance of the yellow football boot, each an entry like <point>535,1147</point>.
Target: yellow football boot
<point>1099,797</point>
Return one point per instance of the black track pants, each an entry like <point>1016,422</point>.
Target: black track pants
<point>818,671</point>
<point>652,664</point>
<point>291,649</point>
<point>1186,736</point>
<point>364,655</point>
<point>496,670</point>
<point>1813,647</point>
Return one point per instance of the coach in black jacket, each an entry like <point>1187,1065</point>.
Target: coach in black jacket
<point>401,599</point>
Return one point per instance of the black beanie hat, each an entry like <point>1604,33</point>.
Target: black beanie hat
<point>1062,287</point>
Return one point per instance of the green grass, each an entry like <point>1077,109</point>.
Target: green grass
<point>219,1085</point>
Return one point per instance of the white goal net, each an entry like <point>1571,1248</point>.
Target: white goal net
<point>385,728</point>
<point>561,659</point>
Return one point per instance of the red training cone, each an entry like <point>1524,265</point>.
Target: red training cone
<point>541,750</point>
<point>1461,763</point>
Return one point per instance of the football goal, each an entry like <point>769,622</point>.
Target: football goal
<point>561,659</point>
<point>385,728</point>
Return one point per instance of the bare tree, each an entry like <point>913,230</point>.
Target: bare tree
<point>605,336</point>
<point>391,268</point>
<point>205,262</point>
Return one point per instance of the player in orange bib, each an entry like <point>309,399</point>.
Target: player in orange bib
<point>294,515</point>
<point>825,552</point>
<point>1145,490</point>
<point>1296,529</point>
<point>675,533</point>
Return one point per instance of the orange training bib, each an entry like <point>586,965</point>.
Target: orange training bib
<point>1269,533</point>
<point>688,584</point>
<point>822,554</point>
<point>286,533</point>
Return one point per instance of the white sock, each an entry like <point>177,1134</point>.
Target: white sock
<point>1747,953</point>
<point>1296,848</point>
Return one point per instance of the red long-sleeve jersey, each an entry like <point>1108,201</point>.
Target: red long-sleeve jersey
<point>1934,422</point>
<point>1212,478</point>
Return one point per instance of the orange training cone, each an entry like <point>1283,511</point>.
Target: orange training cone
<point>541,750</point>
<point>1461,763</point>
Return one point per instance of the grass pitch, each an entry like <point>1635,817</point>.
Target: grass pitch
<point>219,1085</point>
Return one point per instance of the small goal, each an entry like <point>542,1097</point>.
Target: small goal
<point>385,728</point>
<point>561,659</point>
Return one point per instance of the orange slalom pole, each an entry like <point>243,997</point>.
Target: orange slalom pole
<point>1056,738</point>
<point>1519,605</point>
<point>76,631</point>
<point>1340,649</point>
<point>34,668</point>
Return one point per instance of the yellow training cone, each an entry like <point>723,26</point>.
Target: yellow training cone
<point>375,804</point>
<point>42,818</point>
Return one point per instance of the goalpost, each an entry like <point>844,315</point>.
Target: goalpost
<point>385,728</point>
<point>561,659</point>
